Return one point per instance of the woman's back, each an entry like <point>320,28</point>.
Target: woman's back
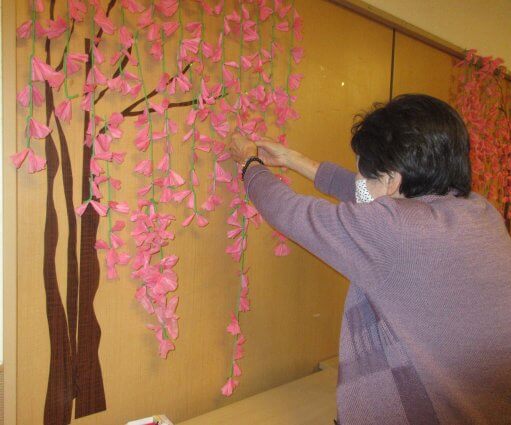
<point>432,343</point>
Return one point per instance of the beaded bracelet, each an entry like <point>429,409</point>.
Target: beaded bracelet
<point>247,163</point>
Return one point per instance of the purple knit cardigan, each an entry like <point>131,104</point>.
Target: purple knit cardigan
<point>426,331</point>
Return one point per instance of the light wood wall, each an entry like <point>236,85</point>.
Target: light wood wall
<point>296,301</point>
<point>2,394</point>
<point>419,68</point>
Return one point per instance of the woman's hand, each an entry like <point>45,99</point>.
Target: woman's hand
<point>241,148</point>
<point>277,155</point>
<point>274,154</point>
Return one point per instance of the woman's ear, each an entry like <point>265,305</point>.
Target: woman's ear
<point>393,184</point>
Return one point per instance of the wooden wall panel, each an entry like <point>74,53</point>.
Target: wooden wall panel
<point>419,68</point>
<point>2,395</point>
<point>9,182</point>
<point>296,301</point>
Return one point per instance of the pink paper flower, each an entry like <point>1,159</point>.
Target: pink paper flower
<point>297,53</point>
<point>99,58</point>
<point>282,250</point>
<point>294,81</point>
<point>38,130</point>
<point>216,10</point>
<point>56,28</point>
<point>77,10</point>
<point>183,82</point>
<point>104,22</point>
<point>126,37</point>
<point>142,297</point>
<point>283,26</point>
<point>238,351</point>
<point>37,96</point>
<point>297,26</point>
<point>44,72</point>
<point>221,175</point>
<point>156,50</point>
<point>167,7</point>
<point>100,208</point>
<point>64,111</point>
<point>39,6</point>
<point>244,304</point>
<point>19,157</point>
<point>211,203</point>
<point>165,345</point>
<point>115,240</point>
<point>234,328</point>
<point>282,9</point>
<point>81,209</point>
<point>73,62</point>
<point>236,370</point>
<point>170,28</point>
<point>186,222</point>
<point>174,179</point>
<point>220,124</point>
<point>24,29</point>
<point>40,31</point>
<point>190,45</point>
<point>264,13</point>
<point>115,120</point>
<point>115,183</point>
<point>146,19</point>
<point>113,258</point>
<point>144,167</point>
<point>132,5</point>
<point>100,244</point>
<point>120,207</point>
<point>201,220</point>
<point>142,138</point>
<point>96,77</point>
<point>166,315</point>
<point>23,97</point>
<point>229,387</point>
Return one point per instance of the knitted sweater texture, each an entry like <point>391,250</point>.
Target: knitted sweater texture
<point>426,331</point>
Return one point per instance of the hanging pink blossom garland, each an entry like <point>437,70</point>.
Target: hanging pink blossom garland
<point>150,232</point>
<point>250,110</point>
<point>484,103</point>
<point>31,96</point>
<point>228,105</point>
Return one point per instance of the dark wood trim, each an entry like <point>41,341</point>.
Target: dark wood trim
<point>392,63</point>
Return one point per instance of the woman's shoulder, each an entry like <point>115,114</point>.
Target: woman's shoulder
<point>433,212</point>
<point>446,210</point>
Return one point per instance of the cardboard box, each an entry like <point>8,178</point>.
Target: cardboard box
<point>152,420</point>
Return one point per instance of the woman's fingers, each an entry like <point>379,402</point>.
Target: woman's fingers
<point>265,144</point>
<point>266,156</point>
<point>270,147</point>
<point>271,157</point>
<point>241,148</point>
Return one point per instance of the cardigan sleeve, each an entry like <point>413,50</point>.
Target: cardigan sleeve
<point>336,181</point>
<point>358,240</point>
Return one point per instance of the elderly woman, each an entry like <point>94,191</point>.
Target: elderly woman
<point>426,332</point>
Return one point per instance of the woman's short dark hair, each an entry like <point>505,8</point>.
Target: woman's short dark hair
<point>419,136</point>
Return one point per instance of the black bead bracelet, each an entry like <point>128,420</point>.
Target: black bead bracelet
<point>248,162</point>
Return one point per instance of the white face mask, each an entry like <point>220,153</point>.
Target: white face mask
<point>362,194</point>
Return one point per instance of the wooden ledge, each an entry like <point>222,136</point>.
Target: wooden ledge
<point>306,401</point>
<point>332,363</point>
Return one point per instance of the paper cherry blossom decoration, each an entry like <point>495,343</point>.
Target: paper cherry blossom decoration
<point>223,98</point>
<point>482,101</point>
